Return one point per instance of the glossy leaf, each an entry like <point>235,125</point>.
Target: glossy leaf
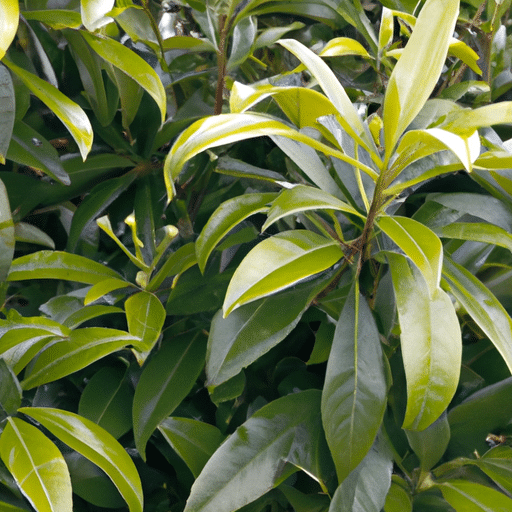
<point>94,13</point>
<point>107,400</point>
<point>101,289</point>
<point>7,110</point>
<point>229,214</point>
<point>476,232</point>
<point>130,63</point>
<point>227,128</point>
<point>97,445</point>
<point>165,382</point>
<point>465,495</point>
<point>340,46</point>
<point>9,17</point>
<point>253,329</point>
<point>57,19</point>
<point>59,265</point>
<point>303,198</point>
<point>497,464</point>
<point>145,316</point>
<point>194,441</point>
<point>466,121</point>
<point>244,35</point>
<point>73,117</point>
<point>81,348</point>
<point>419,243</point>
<point>421,62</point>
<point>482,306</point>
<point>252,460</point>
<point>37,466</point>
<point>431,344</point>
<point>354,393</point>
<point>28,233</point>
<point>278,263</point>
<point>398,499</point>
<point>366,487</point>
<point>6,234</point>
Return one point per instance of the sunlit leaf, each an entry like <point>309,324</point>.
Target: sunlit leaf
<point>421,63</point>
<point>466,495</point>
<point>9,17</point>
<point>354,393</point>
<point>466,121</point>
<point>340,46</point>
<point>431,344</point>
<point>278,263</point>
<point>57,19</point>
<point>94,13</point>
<point>476,232</point>
<point>97,445</point>
<point>37,466</point>
<point>73,117</point>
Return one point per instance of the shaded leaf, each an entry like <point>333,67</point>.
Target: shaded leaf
<point>57,19</point>
<point>28,233</point>
<point>194,441</point>
<point>37,466</point>
<point>354,393</point>
<point>7,110</point>
<point>278,263</point>
<point>10,391</point>
<point>165,382</point>
<point>96,444</point>
<point>6,234</point>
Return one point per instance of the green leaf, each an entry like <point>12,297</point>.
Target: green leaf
<point>145,316</point>
<point>28,233</point>
<point>354,393</point>
<point>107,400</point>
<point>269,36</point>
<point>430,444</point>
<point>340,46</point>
<point>349,118</point>
<point>58,19</point>
<point>483,307</point>
<point>497,464</point>
<point>278,263</point>
<point>81,348</point>
<point>253,459</point>
<point>253,329</point>
<point>130,63</point>
<point>165,382</point>
<point>30,148</point>
<point>416,73</point>
<point>10,391</point>
<point>72,116</point>
<point>225,218</point>
<point>59,265</point>
<point>466,495</point>
<point>9,18</point>
<point>465,122</point>
<point>95,444</point>
<point>365,488</point>
<point>6,234</point>
<point>305,502</point>
<point>37,466</point>
<point>194,441</point>
<point>303,198</point>
<point>419,243</point>
<point>476,232</point>
<point>244,35</point>
<point>227,128</point>
<point>101,289</point>
<point>398,499</point>
<point>94,13</point>
<point>7,110</point>
<point>431,344</point>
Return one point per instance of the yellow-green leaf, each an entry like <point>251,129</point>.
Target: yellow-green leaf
<point>9,17</point>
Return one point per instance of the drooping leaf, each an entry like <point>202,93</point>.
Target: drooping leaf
<point>73,117</point>
<point>466,121</point>
<point>466,495</point>
<point>194,441</point>
<point>107,400</point>
<point>9,18</point>
<point>431,344</point>
<point>165,382</point>
<point>278,263</point>
<point>366,487</point>
<point>7,110</point>
<point>419,243</point>
<point>253,329</point>
<point>303,198</point>
<point>225,218</point>
<point>482,306</point>
<point>7,240</point>
<point>420,63</point>
<point>130,63</point>
<point>97,445</point>
<point>354,393</point>
<point>59,265</point>
<point>29,233</point>
<point>37,466</point>
<point>81,348</point>
<point>253,459</point>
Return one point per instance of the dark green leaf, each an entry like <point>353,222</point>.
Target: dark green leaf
<point>10,391</point>
<point>6,234</point>
<point>165,382</point>
<point>354,394</point>
<point>6,111</point>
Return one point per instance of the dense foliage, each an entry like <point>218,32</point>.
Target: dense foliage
<point>277,259</point>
